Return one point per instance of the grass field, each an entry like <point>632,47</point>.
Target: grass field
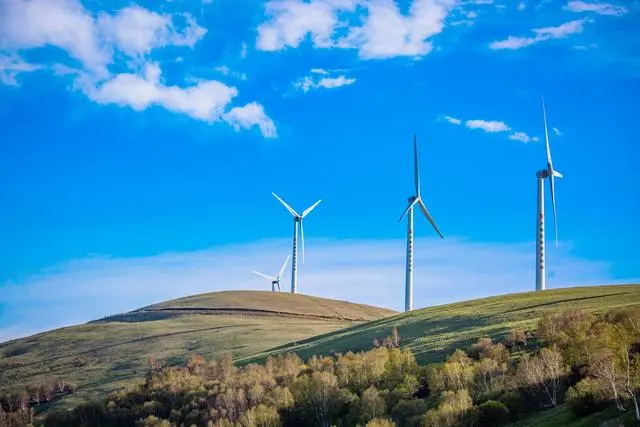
<point>110,353</point>
<point>435,332</point>
<point>562,416</point>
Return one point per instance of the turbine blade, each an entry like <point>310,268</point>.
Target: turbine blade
<point>264,275</point>
<point>546,138</point>
<point>557,174</point>
<point>289,208</point>
<point>416,166</point>
<point>309,209</point>
<point>407,210</point>
<point>553,201</point>
<point>302,239</point>
<point>283,267</point>
<point>428,215</point>
<point>279,290</point>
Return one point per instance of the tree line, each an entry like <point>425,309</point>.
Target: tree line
<point>587,361</point>
<point>18,408</point>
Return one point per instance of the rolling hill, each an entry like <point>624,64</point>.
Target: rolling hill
<point>435,332</point>
<point>109,353</point>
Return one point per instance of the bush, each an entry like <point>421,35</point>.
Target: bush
<point>493,413</point>
<point>381,422</point>
<point>586,397</point>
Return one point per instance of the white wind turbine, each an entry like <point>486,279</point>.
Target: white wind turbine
<point>297,219</point>
<point>274,280</point>
<point>413,200</point>
<point>543,174</point>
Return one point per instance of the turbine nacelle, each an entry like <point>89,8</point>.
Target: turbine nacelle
<point>297,218</point>
<point>417,198</point>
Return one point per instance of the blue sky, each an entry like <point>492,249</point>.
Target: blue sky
<point>137,134</point>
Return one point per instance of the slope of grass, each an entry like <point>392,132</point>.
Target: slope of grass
<point>562,416</point>
<point>104,355</point>
<point>435,332</point>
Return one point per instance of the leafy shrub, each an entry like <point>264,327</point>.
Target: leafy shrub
<point>493,413</point>
<point>586,397</point>
<point>381,422</point>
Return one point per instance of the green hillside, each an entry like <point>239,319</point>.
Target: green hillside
<point>435,332</point>
<point>103,355</point>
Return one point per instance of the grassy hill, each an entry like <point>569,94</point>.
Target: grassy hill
<point>106,354</point>
<point>435,332</point>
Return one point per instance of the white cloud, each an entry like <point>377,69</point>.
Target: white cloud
<point>522,6</point>
<point>65,24</point>
<point>557,131</point>
<point>11,65</point>
<point>487,125</point>
<point>364,271</point>
<point>542,34</point>
<point>136,31</point>
<point>243,51</point>
<point>293,20</point>
<point>492,126</point>
<point>206,100</point>
<point>452,120</point>
<point>251,115</point>
<point>597,7</point>
<point>96,42</point>
<point>520,136</point>
<point>385,32</point>
<point>311,82</point>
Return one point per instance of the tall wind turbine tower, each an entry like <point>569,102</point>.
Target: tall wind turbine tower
<point>549,173</point>
<point>414,200</point>
<point>297,219</point>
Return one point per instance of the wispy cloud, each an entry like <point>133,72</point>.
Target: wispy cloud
<point>384,31</point>
<point>596,7</point>
<point>452,120</point>
<point>487,125</point>
<point>226,71</point>
<point>365,271</point>
<point>541,34</point>
<point>520,136</point>
<point>557,131</point>
<point>101,42</point>
<point>11,65</point>
<point>325,82</point>
<point>491,126</point>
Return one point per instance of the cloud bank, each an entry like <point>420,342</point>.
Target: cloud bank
<point>99,43</point>
<point>364,271</point>
<point>384,31</point>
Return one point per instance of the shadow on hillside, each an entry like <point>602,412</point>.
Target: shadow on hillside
<point>359,338</point>
<point>136,317</point>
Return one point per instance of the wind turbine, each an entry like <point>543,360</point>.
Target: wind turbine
<point>274,280</point>
<point>548,173</point>
<point>297,219</point>
<point>414,200</point>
